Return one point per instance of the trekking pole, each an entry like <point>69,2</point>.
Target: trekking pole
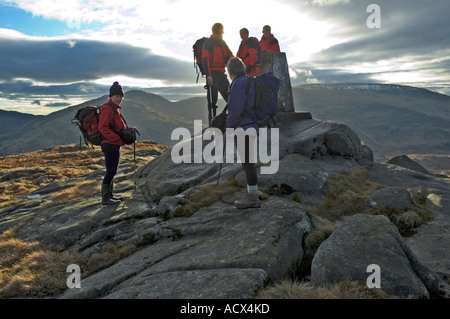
<point>212,114</point>
<point>218,176</point>
<point>220,166</point>
<point>211,103</point>
<point>134,160</point>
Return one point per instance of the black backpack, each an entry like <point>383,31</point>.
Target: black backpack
<point>265,105</point>
<point>198,48</point>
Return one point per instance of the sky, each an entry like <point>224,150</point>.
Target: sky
<point>57,53</point>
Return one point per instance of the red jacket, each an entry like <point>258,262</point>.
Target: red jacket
<point>269,44</point>
<point>250,54</point>
<point>107,118</point>
<point>215,55</point>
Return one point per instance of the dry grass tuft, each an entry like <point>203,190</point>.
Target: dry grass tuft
<point>80,191</point>
<point>205,196</point>
<point>346,194</point>
<point>28,269</point>
<point>306,290</point>
<point>43,167</point>
<point>31,269</point>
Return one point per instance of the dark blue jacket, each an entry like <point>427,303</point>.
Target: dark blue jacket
<point>239,104</point>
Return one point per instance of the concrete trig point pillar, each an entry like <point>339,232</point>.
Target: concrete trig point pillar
<point>276,63</point>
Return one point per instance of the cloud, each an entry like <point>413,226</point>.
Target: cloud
<point>329,2</point>
<point>54,61</point>
<point>151,44</point>
<point>57,104</point>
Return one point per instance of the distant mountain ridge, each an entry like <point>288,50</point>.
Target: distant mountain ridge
<point>391,119</point>
<point>12,120</point>
<point>154,116</point>
<point>391,88</point>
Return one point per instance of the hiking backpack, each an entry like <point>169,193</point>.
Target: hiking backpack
<point>198,48</point>
<point>86,119</point>
<point>265,104</point>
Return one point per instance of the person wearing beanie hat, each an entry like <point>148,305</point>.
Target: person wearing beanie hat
<point>116,89</point>
<point>110,121</point>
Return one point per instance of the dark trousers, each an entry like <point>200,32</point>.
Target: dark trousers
<point>112,160</point>
<point>251,173</point>
<point>220,84</point>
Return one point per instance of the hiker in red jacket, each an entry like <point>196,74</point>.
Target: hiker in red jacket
<point>249,52</point>
<point>109,123</point>
<point>215,55</point>
<point>268,42</point>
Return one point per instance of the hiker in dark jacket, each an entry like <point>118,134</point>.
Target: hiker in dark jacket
<point>268,41</point>
<point>109,123</point>
<point>215,55</point>
<point>239,117</point>
<point>249,52</point>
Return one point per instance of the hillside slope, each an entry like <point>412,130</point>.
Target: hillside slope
<point>391,119</point>
<point>11,121</point>
<point>154,116</point>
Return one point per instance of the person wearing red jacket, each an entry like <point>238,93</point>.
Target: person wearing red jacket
<point>268,41</point>
<point>215,55</point>
<point>109,123</point>
<point>249,52</point>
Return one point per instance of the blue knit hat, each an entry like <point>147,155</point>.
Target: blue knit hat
<point>115,89</point>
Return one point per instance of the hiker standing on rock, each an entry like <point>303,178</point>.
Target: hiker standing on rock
<point>238,117</point>
<point>249,52</point>
<point>109,123</point>
<point>268,41</point>
<point>215,55</point>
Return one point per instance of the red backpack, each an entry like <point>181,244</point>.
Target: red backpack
<point>86,119</point>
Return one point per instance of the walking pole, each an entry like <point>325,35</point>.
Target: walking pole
<point>223,158</point>
<point>220,166</point>
<point>211,104</point>
<point>134,164</point>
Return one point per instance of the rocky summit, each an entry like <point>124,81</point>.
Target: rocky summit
<point>329,214</point>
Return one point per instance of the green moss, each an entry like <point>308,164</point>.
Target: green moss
<point>178,233</point>
<point>296,197</point>
<point>148,239</point>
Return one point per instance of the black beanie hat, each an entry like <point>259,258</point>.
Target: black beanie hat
<point>115,89</point>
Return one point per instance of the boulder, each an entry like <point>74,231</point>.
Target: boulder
<point>432,241</point>
<point>305,176</point>
<point>365,240</point>
<point>406,162</point>
<point>298,134</point>
<point>396,197</point>
<point>315,138</point>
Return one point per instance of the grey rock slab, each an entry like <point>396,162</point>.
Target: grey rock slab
<point>229,283</point>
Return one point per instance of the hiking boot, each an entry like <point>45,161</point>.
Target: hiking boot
<point>114,197</point>
<point>249,201</point>
<point>107,196</point>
